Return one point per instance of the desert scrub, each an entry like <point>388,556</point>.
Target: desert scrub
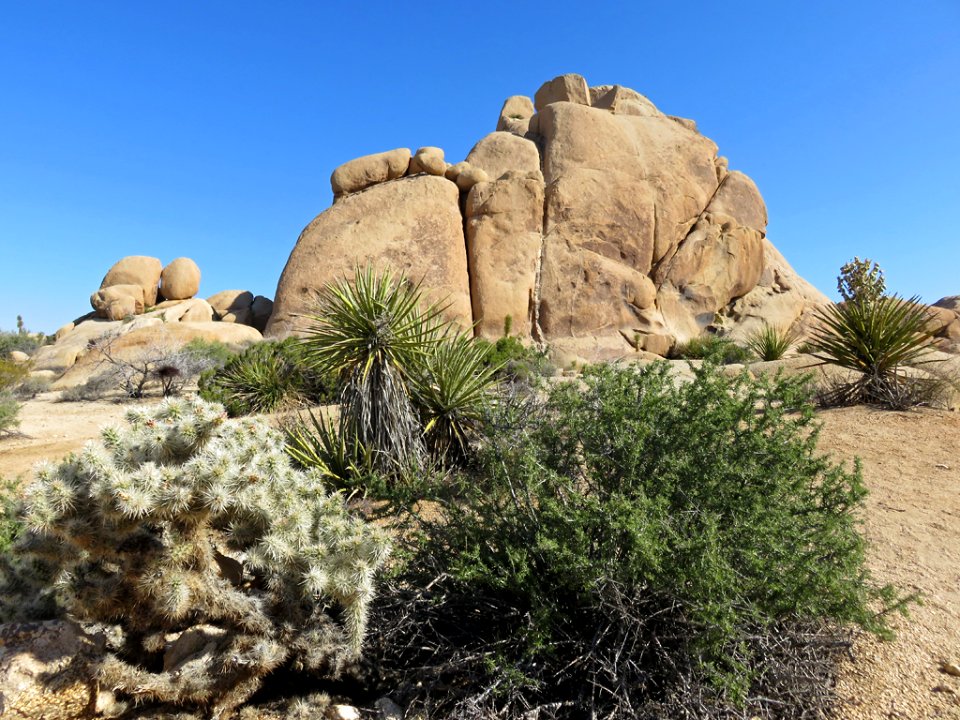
<point>513,361</point>
<point>267,376</point>
<point>770,342</point>
<point>210,560</point>
<point>710,346</point>
<point>635,547</point>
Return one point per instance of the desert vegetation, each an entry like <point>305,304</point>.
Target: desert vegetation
<point>617,545</point>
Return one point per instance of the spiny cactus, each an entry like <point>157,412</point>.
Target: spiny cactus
<point>205,553</point>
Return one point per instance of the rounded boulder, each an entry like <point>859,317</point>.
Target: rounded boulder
<point>180,280</point>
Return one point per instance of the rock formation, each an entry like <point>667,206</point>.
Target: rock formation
<point>600,225</point>
<point>138,295</point>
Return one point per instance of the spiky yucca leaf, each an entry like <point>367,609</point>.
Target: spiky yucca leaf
<point>451,392</point>
<point>770,342</point>
<point>321,444</point>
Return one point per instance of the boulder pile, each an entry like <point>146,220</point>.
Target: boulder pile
<point>598,224</point>
<point>147,302</point>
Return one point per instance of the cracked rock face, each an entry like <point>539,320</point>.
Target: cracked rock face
<point>600,225</point>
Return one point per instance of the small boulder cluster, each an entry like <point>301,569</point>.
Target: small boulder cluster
<point>138,284</point>
<point>142,304</point>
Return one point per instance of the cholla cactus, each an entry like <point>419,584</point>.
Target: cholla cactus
<point>193,539</point>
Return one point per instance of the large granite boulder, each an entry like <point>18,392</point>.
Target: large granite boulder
<point>180,280</point>
<point>502,152</point>
<point>412,226</point>
<point>363,172</point>
<point>136,270</point>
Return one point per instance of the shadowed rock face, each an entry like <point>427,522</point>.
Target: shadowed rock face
<point>598,224</point>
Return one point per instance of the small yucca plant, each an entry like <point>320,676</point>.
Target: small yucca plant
<point>770,342</point>
<point>451,392</point>
<point>321,443</point>
<point>877,340</point>
<point>373,334</point>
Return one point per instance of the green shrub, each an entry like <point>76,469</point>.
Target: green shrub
<point>185,530</point>
<point>710,346</point>
<point>9,410</point>
<point>12,374</point>
<point>31,386</point>
<point>267,376</point>
<point>215,353</point>
<point>512,360</point>
<point>22,340</point>
<point>635,548</point>
<point>770,342</point>
<point>10,524</point>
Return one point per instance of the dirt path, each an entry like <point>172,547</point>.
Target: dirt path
<point>911,464</point>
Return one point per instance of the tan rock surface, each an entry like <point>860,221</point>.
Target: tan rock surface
<point>412,226</point>
<point>501,152</point>
<point>368,170</point>
<point>115,302</point>
<point>504,219</point>
<point>45,671</point>
<point>428,160</point>
<point>622,101</point>
<point>232,305</point>
<point>515,115</point>
<point>180,280</point>
<point>136,270</point>
<point>563,88</point>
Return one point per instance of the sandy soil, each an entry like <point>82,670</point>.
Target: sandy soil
<point>911,464</point>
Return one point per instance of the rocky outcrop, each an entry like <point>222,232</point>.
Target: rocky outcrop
<point>600,225</point>
<point>412,225</point>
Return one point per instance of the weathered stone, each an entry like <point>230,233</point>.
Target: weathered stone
<point>192,310</point>
<point>504,219</point>
<point>563,88</point>
<point>502,152</point>
<point>738,197</point>
<point>196,640</point>
<point>622,101</point>
<point>428,160</point>
<point>180,280</point>
<point>368,170</point>
<point>515,114</point>
<point>232,305</point>
<point>469,176</point>
<point>116,302</point>
<point>412,227</point>
<point>260,311</point>
<point>46,671</point>
<point>136,270</point>
<point>18,357</point>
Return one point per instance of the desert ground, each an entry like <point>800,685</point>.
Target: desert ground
<point>911,464</point>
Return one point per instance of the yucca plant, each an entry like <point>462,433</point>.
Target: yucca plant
<point>878,339</point>
<point>373,335</point>
<point>770,342</point>
<point>451,393</point>
<point>321,443</point>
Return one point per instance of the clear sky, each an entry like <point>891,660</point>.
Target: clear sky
<point>210,129</point>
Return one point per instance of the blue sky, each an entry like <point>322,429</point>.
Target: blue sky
<point>210,129</point>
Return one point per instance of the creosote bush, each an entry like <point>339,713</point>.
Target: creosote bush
<point>206,560</point>
<point>634,547</point>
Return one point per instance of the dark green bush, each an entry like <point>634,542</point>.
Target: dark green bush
<point>710,346</point>
<point>213,352</point>
<point>515,361</point>
<point>632,539</point>
<point>9,410</point>
<point>265,377</point>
